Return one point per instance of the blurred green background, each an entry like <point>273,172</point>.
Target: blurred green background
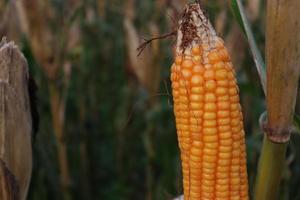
<point>106,122</point>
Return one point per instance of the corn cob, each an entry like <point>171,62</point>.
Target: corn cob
<point>207,113</point>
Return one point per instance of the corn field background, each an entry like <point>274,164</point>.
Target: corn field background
<point>106,125</point>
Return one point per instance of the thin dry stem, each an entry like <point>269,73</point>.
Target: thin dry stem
<point>142,46</point>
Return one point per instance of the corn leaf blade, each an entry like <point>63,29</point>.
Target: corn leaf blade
<point>239,13</point>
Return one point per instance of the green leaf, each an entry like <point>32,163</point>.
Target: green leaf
<point>297,122</point>
<point>239,13</point>
<point>236,12</point>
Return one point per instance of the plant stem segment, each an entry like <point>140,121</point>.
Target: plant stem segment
<point>283,61</point>
<point>270,169</point>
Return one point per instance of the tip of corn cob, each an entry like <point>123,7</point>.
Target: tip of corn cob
<point>194,29</point>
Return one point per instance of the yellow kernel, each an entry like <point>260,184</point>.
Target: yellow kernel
<point>224,155</point>
<point>235,114</point>
<point>198,69</point>
<point>207,66</point>
<point>225,148</point>
<point>224,169</point>
<point>195,165</point>
<point>184,131</point>
<point>197,90</point>
<point>195,158</point>
<point>182,91</point>
<point>236,153</point>
<point>222,195</point>
<point>184,121</point>
<point>208,165</point>
<point>197,60</point>
<point>236,144</point>
<point>185,146</point>
<point>226,142</point>
<point>196,136</point>
<point>223,98</point>
<point>196,80</point>
<point>221,74</point>
<point>225,135</point>
<point>197,144</point>
<point>196,151</point>
<point>235,181</point>
<point>183,99</point>
<point>221,175</point>
<point>224,55</point>
<point>210,123</point>
<point>209,74</point>
<point>221,91</point>
<point>210,131</point>
<point>184,114</point>
<point>210,107</point>
<point>195,128</point>
<point>235,106</point>
<point>210,97</point>
<point>186,73</point>
<point>213,57</point>
<point>175,94</point>
<point>224,128</point>
<point>196,106</point>
<point>224,162</point>
<point>206,190</point>
<point>235,121</point>
<point>211,145</point>
<point>219,65</point>
<point>233,91</point>
<point>207,151</point>
<point>209,115</point>
<point>195,194</point>
<point>208,176</point>
<point>210,138</point>
<point>222,188</point>
<point>236,129</point>
<point>178,60</point>
<point>210,158</point>
<point>195,121</point>
<point>173,76</point>
<point>184,127</point>
<point>222,83</point>
<point>223,113</point>
<point>175,85</point>
<point>224,181</point>
<point>223,105</point>
<point>210,85</point>
<point>196,50</point>
<point>187,63</point>
<point>196,97</point>
<point>196,113</point>
<point>183,83</point>
<point>173,67</point>
<point>223,121</point>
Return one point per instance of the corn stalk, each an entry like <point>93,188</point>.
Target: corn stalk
<point>283,61</point>
<point>50,47</point>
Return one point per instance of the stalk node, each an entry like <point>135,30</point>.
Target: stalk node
<point>278,134</point>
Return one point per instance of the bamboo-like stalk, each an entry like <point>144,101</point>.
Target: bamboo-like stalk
<point>283,61</point>
<point>57,111</point>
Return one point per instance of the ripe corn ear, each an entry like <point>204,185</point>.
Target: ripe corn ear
<point>208,113</point>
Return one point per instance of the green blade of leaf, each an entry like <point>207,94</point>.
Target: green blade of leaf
<point>297,122</point>
<point>239,13</point>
